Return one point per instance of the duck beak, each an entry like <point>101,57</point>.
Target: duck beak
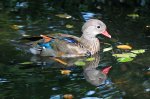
<point>105,33</point>
<point>106,70</point>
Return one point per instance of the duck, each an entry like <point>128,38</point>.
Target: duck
<point>65,45</point>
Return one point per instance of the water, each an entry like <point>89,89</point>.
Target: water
<point>24,76</point>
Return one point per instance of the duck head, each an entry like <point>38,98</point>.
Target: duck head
<point>94,27</point>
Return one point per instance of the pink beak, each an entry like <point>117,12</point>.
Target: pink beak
<point>106,70</point>
<point>105,33</point>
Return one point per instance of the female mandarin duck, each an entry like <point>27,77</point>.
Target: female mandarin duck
<point>64,45</point>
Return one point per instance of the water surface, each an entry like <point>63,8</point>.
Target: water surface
<point>41,78</point>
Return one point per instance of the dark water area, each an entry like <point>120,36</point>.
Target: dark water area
<point>25,76</point>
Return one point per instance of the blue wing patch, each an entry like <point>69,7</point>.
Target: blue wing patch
<point>70,40</point>
<point>46,45</point>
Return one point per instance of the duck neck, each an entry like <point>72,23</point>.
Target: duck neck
<point>91,43</point>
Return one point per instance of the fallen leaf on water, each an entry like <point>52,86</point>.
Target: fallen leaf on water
<point>25,35</point>
<point>107,49</point>
<point>68,96</point>
<point>133,15</point>
<point>16,27</point>
<point>125,47</point>
<point>138,51</point>
<point>90,59</point>
<point>69,26</point>
<point>26,63</point>
<point>124,59</point>
<point>60,61</point>
<point>79,63</point>
<point>66,72</point>
<point>148,73</point>
<point>124,55</point>
<point>67,16</point>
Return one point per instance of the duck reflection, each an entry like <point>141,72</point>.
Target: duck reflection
<point>92,75</point>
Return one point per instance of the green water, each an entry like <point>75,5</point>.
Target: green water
<point>41,77</point>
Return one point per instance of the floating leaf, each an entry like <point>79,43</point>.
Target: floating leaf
<point>69,26</point>
<point>138,51</point>
<point>125,55</point>
<point>26,63</point>
<point>60,61</point>
<point>107,49</point>
<point>125,47</point>
<point>124,59</point>
<point>63,16</point>
<point>25,35</point>
<point>66,72</point>
<point>147,73</point>
<point>134,15</point>
<point>90,59</point>
<point>68,96</point>
<point>79,63</point>
<point>16,27</point>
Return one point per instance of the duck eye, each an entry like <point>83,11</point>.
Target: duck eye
<point>98,27</point>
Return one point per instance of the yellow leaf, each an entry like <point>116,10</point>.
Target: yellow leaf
<point>68,96</point>
<point>65,72</point>
<point>60,61</point>
<point>63,16</point>
<point>69,26</point>
<point>16,27</point>
<point>125,47</point>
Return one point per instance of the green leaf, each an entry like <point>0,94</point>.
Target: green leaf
<point>133,15</point>
<point>107,49</point>
<point>26,63</point>
<point>124,59</point>
<point>79,63</point>
<point>138,51</point>
<point>90,59</point>
<point>125,55</point>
